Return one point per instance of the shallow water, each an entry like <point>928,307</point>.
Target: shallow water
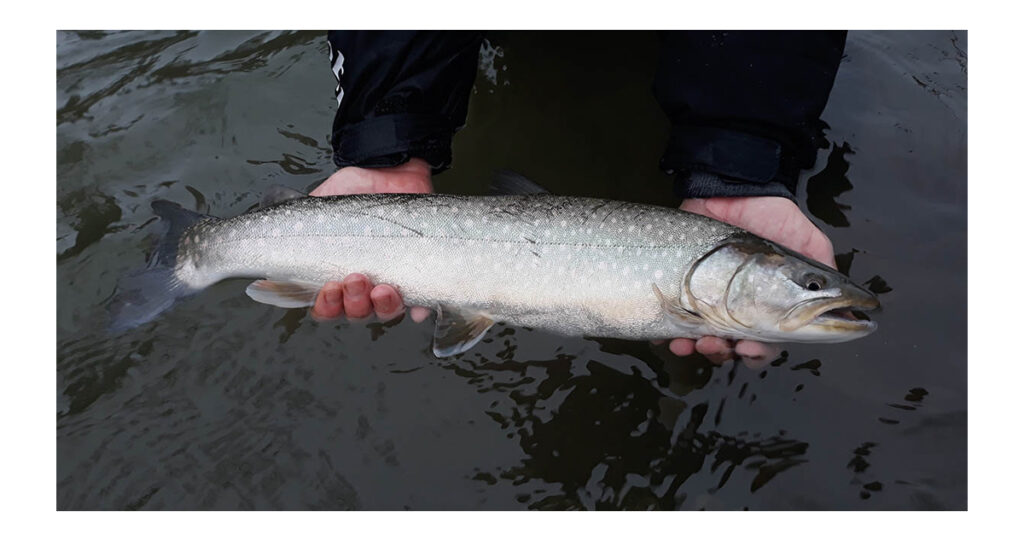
<point>224,403</point>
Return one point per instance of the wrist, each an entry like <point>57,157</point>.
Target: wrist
<point>412,176</point>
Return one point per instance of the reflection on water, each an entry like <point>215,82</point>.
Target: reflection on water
<point>824,187</point>
<point>646,442</point>
<point>228,404</point>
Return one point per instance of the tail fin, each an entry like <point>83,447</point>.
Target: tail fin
<point>144,294</point>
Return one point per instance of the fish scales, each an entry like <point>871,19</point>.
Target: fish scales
<point>571,265</point>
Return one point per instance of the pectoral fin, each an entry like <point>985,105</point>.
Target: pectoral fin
<point>283,294</point>
<point>677,310</point>
<point>456,331</point>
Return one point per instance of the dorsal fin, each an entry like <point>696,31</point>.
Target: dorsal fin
<point>279,194</point>
<point>510,183</point>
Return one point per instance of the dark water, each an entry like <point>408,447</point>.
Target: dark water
<point>229,404</point>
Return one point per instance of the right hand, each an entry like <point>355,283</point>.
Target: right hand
<point>774,218</point>
<point>355,297</point>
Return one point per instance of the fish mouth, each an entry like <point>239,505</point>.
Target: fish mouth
<point>845,315</point>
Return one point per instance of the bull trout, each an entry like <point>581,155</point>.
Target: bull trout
<point>570,265</point>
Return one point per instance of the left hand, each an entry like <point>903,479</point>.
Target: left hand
<point>774,218</point>
<point>355,296</point>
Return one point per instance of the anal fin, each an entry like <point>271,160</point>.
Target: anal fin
<point>457,330</point>
<point>283,294</point>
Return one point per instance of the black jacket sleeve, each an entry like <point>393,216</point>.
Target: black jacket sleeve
<point>744,107</point>
<point>401,94</point>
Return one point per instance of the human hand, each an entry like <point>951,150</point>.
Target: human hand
<point>774,218</point>
<point>355,296</point>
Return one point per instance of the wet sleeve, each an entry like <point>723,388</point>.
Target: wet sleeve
<point>745,108</point>
<point>401,95</point>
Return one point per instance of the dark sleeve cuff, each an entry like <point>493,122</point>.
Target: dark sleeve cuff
<point>704,185</point>
<point>390,140</point>
<point>719,162</point>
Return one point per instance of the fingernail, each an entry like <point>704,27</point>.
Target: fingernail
<point>354,288</point>
<point>385,306</point>
<point>333,296</point>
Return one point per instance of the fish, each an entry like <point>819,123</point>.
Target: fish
<point>575,266</point>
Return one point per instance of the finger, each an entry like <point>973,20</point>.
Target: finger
<point>387,303</point>
<point>757,355</point>
<point>419,313</point>
<point>717,350</point>
<point>755,364</point>
<point>681,347</point>
<point>356,296</point>
<point>328,303</point>
<point>756,350</point>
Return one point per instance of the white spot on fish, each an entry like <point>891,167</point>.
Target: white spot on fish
<point>298,226</point>
<point>631,228</point>
<point>367,230</point>
<point>658,274</point>
<point>564,223</point>
<point>647,227</point>
<point>469,223</point>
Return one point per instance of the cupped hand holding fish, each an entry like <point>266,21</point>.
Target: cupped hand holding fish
<point>774,218</point>
<point>355,297</point>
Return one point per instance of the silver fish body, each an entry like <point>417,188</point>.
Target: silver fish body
<point>569,265</point>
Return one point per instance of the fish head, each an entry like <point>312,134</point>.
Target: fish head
<point>756,288</point>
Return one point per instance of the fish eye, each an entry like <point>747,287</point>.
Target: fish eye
<point>813,282</point>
